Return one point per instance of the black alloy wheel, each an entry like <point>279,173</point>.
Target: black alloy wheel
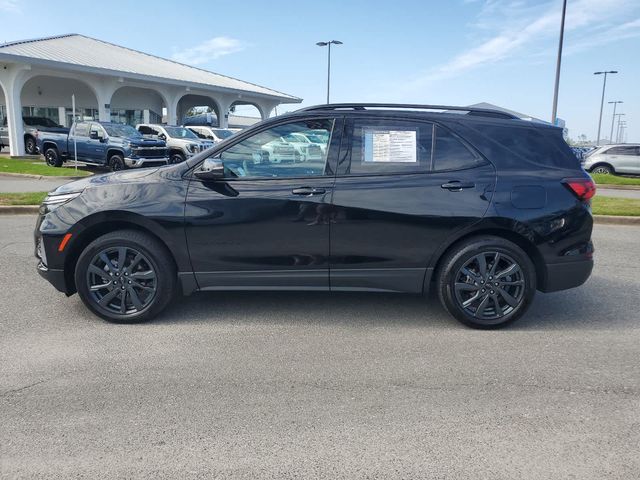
<point>486,282</point>
<point>122,280</point>
<point>116,162</point>
<point>489,286</point>
<point>52,157</point>
<point>176,158</point>
<point>126,276</point>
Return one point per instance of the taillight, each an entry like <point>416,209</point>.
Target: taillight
<point>583,188</point>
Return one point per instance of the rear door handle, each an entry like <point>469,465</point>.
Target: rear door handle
<point>308,191</point>
<point>457,185</point>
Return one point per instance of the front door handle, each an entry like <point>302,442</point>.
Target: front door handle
<point>457,185</point>
<point>308,191</point>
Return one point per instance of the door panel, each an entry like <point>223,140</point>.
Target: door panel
<point>266,224</point>
<point>426,185</point>
<point>387,227</point>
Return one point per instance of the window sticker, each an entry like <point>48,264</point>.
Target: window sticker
<point>389,146</point>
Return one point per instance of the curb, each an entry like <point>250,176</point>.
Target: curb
<point>40,177</point>
<point>597,219</point>
<point>617,187</point>
<point>615,220</point>
<point>19,209</point>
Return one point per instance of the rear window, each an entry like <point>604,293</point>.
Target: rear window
<point>544,146</point>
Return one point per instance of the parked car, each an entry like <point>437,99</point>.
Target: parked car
<point>478,205</point>
<point>106,144</point>
<point>619,158</point>
<point>216,135</point>
<point>182,143</point>
<point>32,127</point>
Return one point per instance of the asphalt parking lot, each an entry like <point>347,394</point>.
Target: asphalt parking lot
<point>301,385</point>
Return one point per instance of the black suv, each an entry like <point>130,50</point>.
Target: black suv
<point>479,205</point>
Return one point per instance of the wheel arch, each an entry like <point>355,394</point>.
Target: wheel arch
<point>114,151</point>
<point>602,164</point>
<point>102,223</point>
<point>518,238</point>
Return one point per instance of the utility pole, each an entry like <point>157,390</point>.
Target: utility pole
<point>558,62</point>
<point>604,86</point>
<point>615,104</point>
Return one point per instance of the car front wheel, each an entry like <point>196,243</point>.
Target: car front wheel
<point>486,282</point>
<point>602,169</point>
<point>125,276</point>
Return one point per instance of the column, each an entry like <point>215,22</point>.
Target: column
<point>62,116</point>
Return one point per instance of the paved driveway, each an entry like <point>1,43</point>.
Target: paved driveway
<point>302,385</point>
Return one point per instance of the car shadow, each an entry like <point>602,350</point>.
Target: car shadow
<point>583,307</point>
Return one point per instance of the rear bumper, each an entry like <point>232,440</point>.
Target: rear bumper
<point>562,276</point>
<point>54,277</point>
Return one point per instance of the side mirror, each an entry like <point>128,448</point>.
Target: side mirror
<point>162,136</point>
<point>211,169</point>
<point>93,135</point>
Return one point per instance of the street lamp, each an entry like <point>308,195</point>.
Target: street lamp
<point>604,85</point>
<point>557,84</point>
<point>328,44</point>
<point>615,104</point>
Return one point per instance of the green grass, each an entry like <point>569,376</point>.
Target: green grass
<point>28,198</point>
<point>37,167</point>
<point>601,179</point>
<point>615,206</point>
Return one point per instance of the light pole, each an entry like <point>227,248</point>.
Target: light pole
<point>604,85</point>
<point>328,44</point>
<point>557,84</point>
<point>615,104</point>
<point>619,115</point>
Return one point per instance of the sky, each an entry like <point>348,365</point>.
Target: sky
<point>455,52</point>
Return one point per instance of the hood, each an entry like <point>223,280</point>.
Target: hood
<point>105,179</point>
<point>138,142</point>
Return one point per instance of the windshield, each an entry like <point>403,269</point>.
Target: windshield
<point>121,131</point>
<point>222,133</point>
<point>180,132</point>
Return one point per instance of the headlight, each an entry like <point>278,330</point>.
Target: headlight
<point>54,200</point>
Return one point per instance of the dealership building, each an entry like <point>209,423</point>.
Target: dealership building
<point>113,83</point>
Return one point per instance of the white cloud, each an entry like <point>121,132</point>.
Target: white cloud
<point>519,28</point>
<point>9,6</point>
<point>211,49</point>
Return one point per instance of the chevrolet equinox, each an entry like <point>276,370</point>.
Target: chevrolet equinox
<point>477,204</point>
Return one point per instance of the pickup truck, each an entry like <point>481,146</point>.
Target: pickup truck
<point>32,126</point>
<point>112,145</point>
<point>182,143</point>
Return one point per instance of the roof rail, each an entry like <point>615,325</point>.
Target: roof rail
<point>410,106</point>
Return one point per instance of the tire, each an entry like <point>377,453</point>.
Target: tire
<point>176,158</point>
<point>463,288</point>
<point>52,157</point>
<point>602,169</point>
<point>30,147</point>
<point>116,163</point>
<point>105,287</point>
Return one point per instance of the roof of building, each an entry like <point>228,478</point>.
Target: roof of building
<point>75,50</point>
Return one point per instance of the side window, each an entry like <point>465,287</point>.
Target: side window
<point>144,130</point>
<point>97,129</point>
<point>389,146</point>
<point>268,154</point>
<point>622,151</point>
<point>81,130</point>
<point>451,154</point>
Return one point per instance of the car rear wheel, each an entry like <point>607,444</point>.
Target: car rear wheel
<point>486,282</point>
<point>52,157</point>
<point>30,146</point>
<point>125,277</point>
<point>602,169</point>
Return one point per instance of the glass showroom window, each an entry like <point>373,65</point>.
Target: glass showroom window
<point>128,117</point>
<point>46,112</point>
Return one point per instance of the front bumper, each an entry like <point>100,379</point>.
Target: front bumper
<point>145,162</point>
<point>54,277</point>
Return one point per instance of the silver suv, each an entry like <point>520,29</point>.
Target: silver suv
<point>622,158</point>
<point>182,143</point>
